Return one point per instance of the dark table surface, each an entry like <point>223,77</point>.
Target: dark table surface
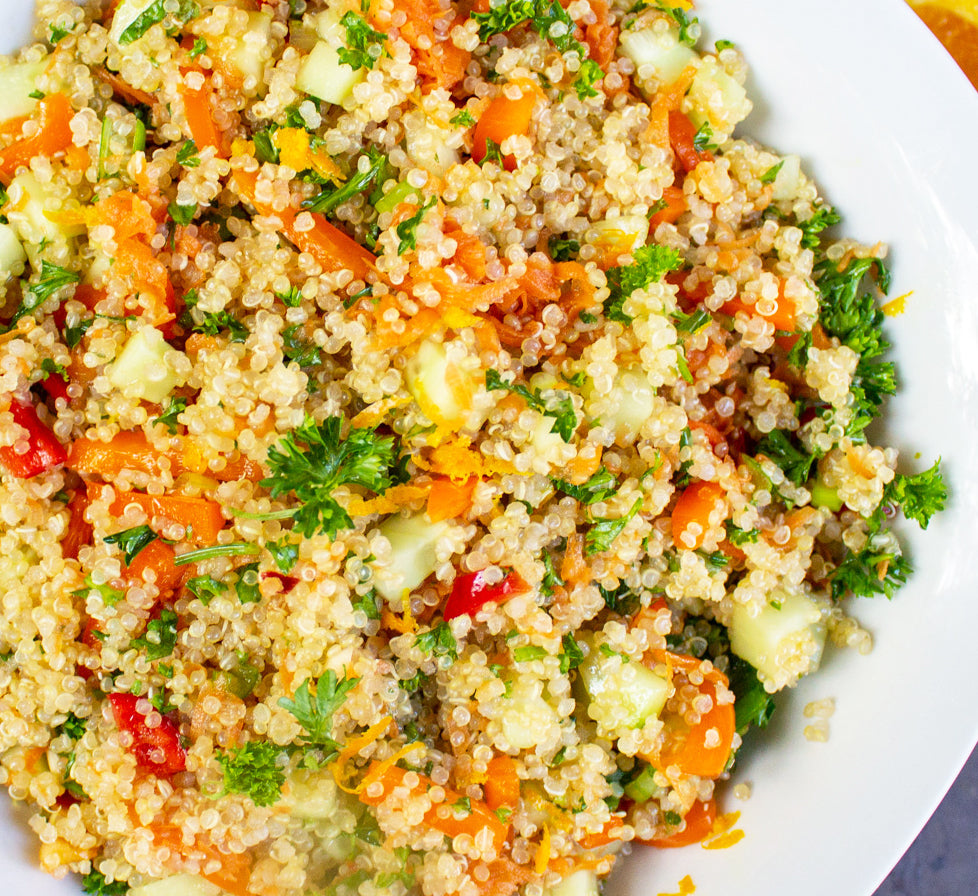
<point>943,860</point>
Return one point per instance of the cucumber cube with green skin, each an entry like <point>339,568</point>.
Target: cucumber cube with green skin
<point>621,693</point>
<point>17,82</point>
<point>783,642</point>
<point>643,787</point>
<point>177,885</point>
<point>413,559</point>
<point>12,254</point>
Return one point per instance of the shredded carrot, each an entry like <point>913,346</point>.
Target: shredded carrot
<point>699,822</point>
<point>233,870</point>
<point>601,36</point>
<point>675,204</point>
<point>379,769</point>
<point>339,766</point>
<point>542,857</point>
<point>502,118</point>
<point>722,835</point>
<point>686,888</point>
<point>198,109</point>
<point>439,62</point>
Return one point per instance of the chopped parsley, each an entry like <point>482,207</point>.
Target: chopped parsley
<point>529,653</point>
<point>919,496</point>
<point>176,406</point>
<point>407,230</point>
<point>692,322</point>
<point>562,249</point>
<point>152,14</point>
<point>462,119</point>
<point>689,28</point>
<point>247,587</point>
<point>58,33</point>
<point>312,460</point>
<point>285,553</point>
<point>95,884</point>
<point>364,46</point>
<point>303,352</point>
<point>870,572</point>
<point>703,139</point>
<point>182,214</point>
<point>265,149</point>
<point>72,726</point>
<point>255,770</point>
<point>621,600</point>
<point>199,48</point>
<point>187,155</point>
<point>795,463</point>
<point>811,228</point>
<point>599,487</point>
<point>563,413</point>
<point>753,705</point>
<point>651,264</point>
<point>131,541</point>
<point>314,712</point>
<point>369,603</point>
<point>438,641</point>
<point>571,656</point>
<point>211,323</point>
<point>52,279</point>
<point>739,537</point>
<point>206,588</point>
<point>603,530</point>
<point>769,176</point>
<point>361,181</point>
<point>161,636</point>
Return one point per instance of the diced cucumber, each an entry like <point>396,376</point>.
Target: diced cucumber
<point>141,369</point>
<point>442,391</point>
<point>27,211</point>
<point>18,81</point>
<point>716,98</point>
<point>311,794</point>
<point>788,179</point>
<point>665,53</point>
<point>581,883</point>
<point>526,714</point>
<point>783,642</point>
<point>621,693</point>
<point>251,54</point>
<point>402,192</point>
<point>177,885</point>
<point>322,75</point>
<point>12,254</point>
<point>413,540</point>
<point>629,405</point>
<point>426,145</point>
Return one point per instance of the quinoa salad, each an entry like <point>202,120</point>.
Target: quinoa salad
<point>430,437</point>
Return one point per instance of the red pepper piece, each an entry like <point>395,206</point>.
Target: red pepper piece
<point>45,450</point>
<point>470,592</point>
<point>158,749</point>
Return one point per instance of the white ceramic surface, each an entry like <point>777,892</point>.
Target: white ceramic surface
<point>887,125</point>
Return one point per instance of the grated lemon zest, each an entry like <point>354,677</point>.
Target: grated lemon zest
<point>378,770</point>
<point>353,748</point>
<point>542,858</point>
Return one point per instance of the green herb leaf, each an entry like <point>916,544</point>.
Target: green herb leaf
<point>407,230</point>
<point>95,884</point>
<point>265,150</point>
<point>571,656</point>
<point>599,487</point>
<point>438,641</point>
<point>132,541</point>
<point>182,214</point>
<point>152,14</point>
<point>563,250</point>
<point>311,461</point>
<point>753,705</point>
<point>303,352</point>
<point>254,769</point>
<point>52,279</point>
<point>364,46</point>
<point>247,587</point>
<point>769,176</point>
<point>361,181</point>
<point>603,531</point>
<point>187,155</point>
<point>315,712</point>
<point>73,335</point>
<point>688,34</point>
<point>587,76</point>
<point>651,264</point>
<point>176,406</point>
<point>920,496</point>
<point>161,636</point>
<point>739,537</point>
<point>703,139</point>
<point>199,48</point>
<point>794,462</point>
<point>285,553</point>
<point>369,603</point>
<point>869,573</point>
<point>693,322</point>
<point>462,119</point>
<point>529,653</point>
<point>563,411</point>
<point>72,726</point>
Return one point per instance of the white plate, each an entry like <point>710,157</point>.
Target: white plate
<point>887,125</point>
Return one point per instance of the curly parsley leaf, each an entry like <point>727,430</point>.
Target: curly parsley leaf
<point>254,769</point>
<point>604,530</point>
<point>794,462</point>
<point>176,406</point>
<point>811,228</point>
<point>161,636</point>
<point>753,705</point>
<point>462,119</point>
<point>563,249</point>
<point>95,884</point>
<point>314,712</point>
<point>438,641</point>
<point>407,229</point>
<point>364,46</point>
<point>131,541</point>
<point>651,264</point>
<point>313,460</point>
<point>870,572</point>
<point>150,16</point>
<point>52,279</point>
<point>303,352</point>
<point>920,496</point>
<point>187,155</point>
<point>72,726</point>
<point>206,588</point>
<point>688,26</point>
<point>560,407</point>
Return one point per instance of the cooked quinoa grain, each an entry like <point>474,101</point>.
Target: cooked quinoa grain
<point>428,437</point>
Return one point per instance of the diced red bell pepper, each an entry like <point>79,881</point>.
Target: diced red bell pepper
<point>56,386</point>
<point>471,592</point>
<point>158,749</point>
<point>45,450</point>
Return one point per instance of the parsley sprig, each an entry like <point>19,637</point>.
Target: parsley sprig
<point>364,46</point>
<point>315,711</point>
<point>562,410</point>
<point>254,769</point>
<point>651,264</point>
<point>314,459</point>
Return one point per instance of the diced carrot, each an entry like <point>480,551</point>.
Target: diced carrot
<point>202,517</point>
<point>502,787</point>
<point>200,117</point>
<point>682,139</point>
<point>784,316</point>
<point>667,99</point>
<point>448,500</point>
<point>505,878</point>
<point>699,822</point>
<point>159,557</point>
<point>333,249</point>
<point>502,118</point>
<point>573,569</point>
<point>694,507</point>
<point>53,136</point>
<point>675,204</point>
<point>233,872</point>
<point>445,817</point>
<point>601,36</point>
<point>79,530</point>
